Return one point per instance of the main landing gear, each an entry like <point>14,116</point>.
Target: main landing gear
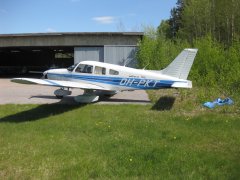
<point>89,96</point>
<point>60,93</point>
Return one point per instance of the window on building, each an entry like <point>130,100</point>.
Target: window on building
<point>84,68</point>
<point>113,72</point>
<point>63,55</point>
<point>100,70</point>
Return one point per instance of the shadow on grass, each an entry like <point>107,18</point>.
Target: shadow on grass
<point>109,100</point>
<point>39,112</point>
<point>164,103</point>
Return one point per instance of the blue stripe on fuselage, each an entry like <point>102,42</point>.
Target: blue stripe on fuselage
<point>136,83</point>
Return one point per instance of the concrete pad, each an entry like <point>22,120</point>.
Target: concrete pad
<point>13,93</point>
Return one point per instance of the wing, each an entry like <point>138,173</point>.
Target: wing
<point>56,83</point>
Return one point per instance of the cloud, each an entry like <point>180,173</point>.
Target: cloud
<point>50,30</point>
<point>104,19</point>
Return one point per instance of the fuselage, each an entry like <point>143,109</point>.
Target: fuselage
<point>113,77</point>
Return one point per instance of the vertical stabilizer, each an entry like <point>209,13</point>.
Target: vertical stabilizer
<point>181,65</point>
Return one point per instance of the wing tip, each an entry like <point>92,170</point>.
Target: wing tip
<point>21,81</point>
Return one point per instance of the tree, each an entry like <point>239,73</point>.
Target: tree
<point>175,21</point>
<point>219,18</point>
<point>163,29</point>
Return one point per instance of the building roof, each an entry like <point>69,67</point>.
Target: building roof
<point>70,39</point>
<point>74,34</point>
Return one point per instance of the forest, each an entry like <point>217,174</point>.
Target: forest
<point>212,26</point>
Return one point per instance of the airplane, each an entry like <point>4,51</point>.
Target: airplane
<point>104,79</point>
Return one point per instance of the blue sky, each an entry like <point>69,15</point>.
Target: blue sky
<point>33,16</point>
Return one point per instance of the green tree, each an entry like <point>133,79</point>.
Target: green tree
<point>191,19</point>
<point>175,21</point>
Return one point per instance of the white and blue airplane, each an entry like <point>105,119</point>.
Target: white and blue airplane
<point>98,78</point>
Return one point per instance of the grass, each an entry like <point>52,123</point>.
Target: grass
<point>117,142</point>
<point>190,101</point>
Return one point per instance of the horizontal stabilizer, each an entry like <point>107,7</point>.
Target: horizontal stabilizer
<point>185,84</point>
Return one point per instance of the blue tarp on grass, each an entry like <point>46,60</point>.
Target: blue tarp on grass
<point>218,102</point>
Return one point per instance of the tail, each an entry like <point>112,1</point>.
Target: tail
<point>181,65</point>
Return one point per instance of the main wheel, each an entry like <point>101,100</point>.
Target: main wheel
<point>59,97</point>
<point>108,95</point>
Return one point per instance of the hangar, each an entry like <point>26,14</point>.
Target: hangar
<point>22,53</point>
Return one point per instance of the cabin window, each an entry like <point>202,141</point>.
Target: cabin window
<point>113,72</point>
<point>83,68</point>
<point>100,70</point>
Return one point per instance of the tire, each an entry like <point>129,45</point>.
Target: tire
<point>59,97</point>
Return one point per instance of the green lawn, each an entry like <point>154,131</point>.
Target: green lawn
<point>117,141</point>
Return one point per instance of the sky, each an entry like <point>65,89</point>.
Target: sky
<point>41,16</point>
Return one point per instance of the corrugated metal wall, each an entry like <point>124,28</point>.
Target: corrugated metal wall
<point>88,53</point>
<point>120,55</point>
<point>114,54</point>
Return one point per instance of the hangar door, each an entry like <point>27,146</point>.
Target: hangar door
<point>88,53</point>
<point>121,55</point>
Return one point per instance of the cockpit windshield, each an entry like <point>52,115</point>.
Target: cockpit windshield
<point>72,67</point>
<point>84,68</point>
